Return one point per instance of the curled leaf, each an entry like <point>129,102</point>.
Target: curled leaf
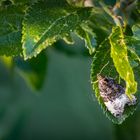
<point>120,60</point>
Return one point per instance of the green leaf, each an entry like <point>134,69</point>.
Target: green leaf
<point>17,2</point>
<point>133,44</point>
<point>120,59</point>
<point>103,64</point>
<point>88,37</point>
<point>33,71</point>
<point>47,23</point>
<point>24,1</point>
<point>136,31</point>
<point>100,23</point>
<point>10,30</point>
<point>133,50</point>
<point>5,3</point>
<point>76,2</point>
<point>134,59</point>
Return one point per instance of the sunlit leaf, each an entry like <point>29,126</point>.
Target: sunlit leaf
<point>120,59</point>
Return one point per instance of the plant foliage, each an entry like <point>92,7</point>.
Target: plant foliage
<point>111,35</point>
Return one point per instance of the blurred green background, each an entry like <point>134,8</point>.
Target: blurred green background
<point>65,108</point>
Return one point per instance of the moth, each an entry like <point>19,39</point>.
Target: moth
<point>114,96</point>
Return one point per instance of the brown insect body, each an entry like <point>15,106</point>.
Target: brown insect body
<point>113,95</point>
<point>109,89</point>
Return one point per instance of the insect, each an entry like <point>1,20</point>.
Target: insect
<point>114,96</point>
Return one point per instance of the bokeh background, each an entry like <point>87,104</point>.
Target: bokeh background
<point>64,109</point>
